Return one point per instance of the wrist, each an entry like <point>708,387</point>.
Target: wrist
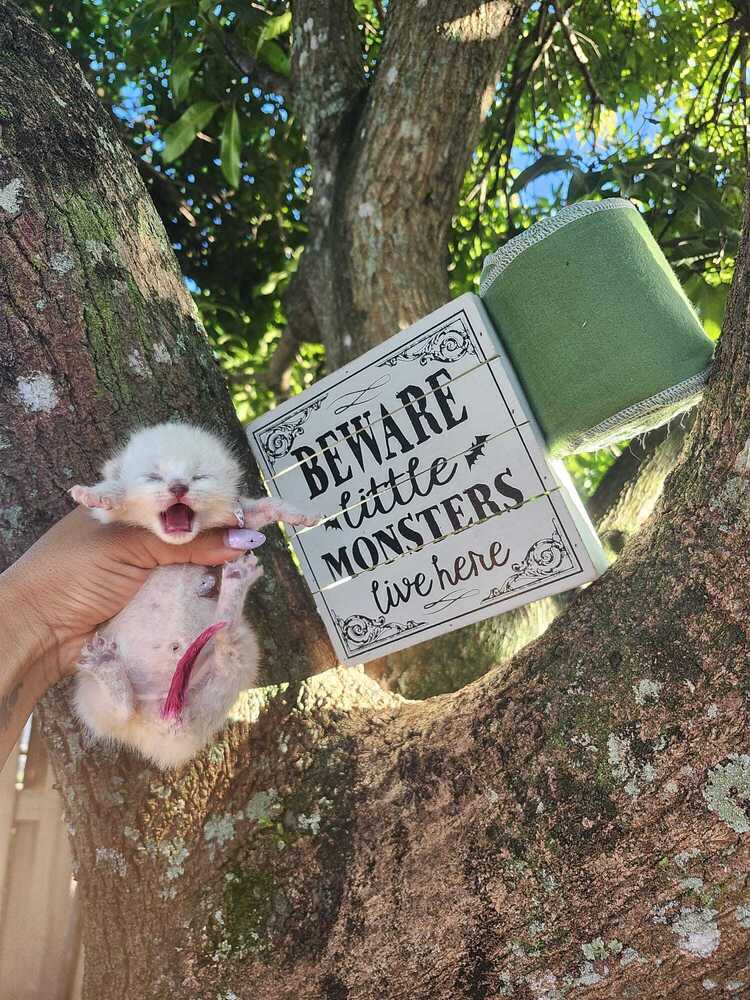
<point>24,630</point>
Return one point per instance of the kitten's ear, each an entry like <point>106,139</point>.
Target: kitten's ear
<point>103,496</point>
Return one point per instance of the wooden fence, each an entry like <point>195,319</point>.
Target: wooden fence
<point>41,957</point>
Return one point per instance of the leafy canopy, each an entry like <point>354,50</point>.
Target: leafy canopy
<point>645,100</point>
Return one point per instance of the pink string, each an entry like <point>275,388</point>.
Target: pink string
<point>177,689</point>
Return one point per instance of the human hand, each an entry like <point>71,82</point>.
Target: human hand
<point>81,573</point>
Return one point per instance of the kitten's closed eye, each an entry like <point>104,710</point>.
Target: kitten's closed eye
<point>153,478</point>
<point>196,478</point>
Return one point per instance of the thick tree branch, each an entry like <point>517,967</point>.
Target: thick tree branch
<point>631,487</point>
<point>262,76</point>
<point>436,78</point>
<point>302,326</point>
<point>276,374</point>
<point>328,78</point>
<point>329,82</point>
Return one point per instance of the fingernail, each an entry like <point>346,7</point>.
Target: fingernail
<point>244,538</point>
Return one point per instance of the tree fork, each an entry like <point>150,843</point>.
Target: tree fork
<point>578,825</point>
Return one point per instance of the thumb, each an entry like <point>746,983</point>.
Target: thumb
<point>209,548</point>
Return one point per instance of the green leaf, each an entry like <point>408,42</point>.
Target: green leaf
<point>274,27</point>
<point>274,56</point>
<point>180,135</point>
<point>547,164</point>
<point>148,9</point>
<point>182,72</point>
<point>709,301</point>
<point>231,144</point>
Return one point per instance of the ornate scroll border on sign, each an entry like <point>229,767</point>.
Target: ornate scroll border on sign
<point>551,559</point>
<point>359,632</point>
<point>545,560</point>
<point>278,440</point>
<point>447,342</point>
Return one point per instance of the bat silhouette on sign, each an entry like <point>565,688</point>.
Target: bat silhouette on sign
<point>477,449</point>
<point>332,525</point>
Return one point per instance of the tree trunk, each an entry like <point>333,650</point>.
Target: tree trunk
<point>576,826</point>
<point>389,155</point>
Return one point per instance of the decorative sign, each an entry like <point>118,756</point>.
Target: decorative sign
<point>440,506</point>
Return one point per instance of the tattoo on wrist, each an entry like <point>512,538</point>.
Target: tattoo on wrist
<point>7,703</point>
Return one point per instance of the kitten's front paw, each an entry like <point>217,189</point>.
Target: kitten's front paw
<point>267,510</point>
<point>93,499</point>
<point>296,517</point>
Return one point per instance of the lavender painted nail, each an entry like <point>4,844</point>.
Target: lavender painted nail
<point>244,538</point>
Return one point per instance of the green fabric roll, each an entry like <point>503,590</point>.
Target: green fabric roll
<point>599,331</point>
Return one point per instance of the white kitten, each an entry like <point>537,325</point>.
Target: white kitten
<point>162,675</point>
<point>174,479</point>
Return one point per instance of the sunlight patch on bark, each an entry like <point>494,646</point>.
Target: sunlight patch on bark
<point>474,27</point>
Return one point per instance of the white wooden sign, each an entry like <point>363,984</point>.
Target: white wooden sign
<point>440,506</point>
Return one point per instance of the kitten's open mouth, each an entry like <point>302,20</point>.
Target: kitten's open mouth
<point>177,519</point>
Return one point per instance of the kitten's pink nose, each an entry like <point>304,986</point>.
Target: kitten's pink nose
<point>178,489</point>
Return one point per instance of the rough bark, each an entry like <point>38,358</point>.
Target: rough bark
<point>98,334</point>
<point>389,155</point>
<point>629,490</point>
<point>576,826</point>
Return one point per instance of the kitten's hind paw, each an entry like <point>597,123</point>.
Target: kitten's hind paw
<point>97,652</point>
<point>244,571</point>
<point>104,693</point>
<point>236,579</point>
